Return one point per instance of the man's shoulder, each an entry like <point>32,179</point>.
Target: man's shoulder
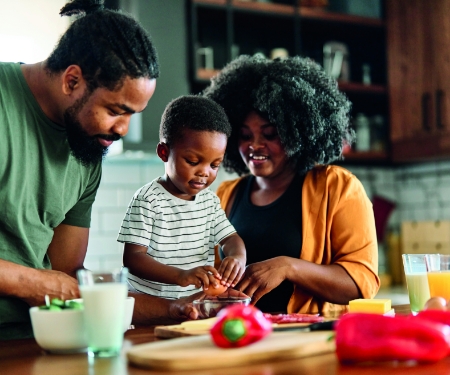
<point>8,69</point>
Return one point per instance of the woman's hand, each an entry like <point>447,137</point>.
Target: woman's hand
<point>262,277</point>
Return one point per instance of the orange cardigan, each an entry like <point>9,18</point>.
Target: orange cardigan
<point>338,228</point>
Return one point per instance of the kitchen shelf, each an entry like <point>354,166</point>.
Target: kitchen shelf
<point>272,8</point>
<point>211,2</point>
<point>355,87</point>
<point>305,12</point>
<point>232,27</point>
<point>366,156</point>
<point>349,87</point>
<point>323,15</point>
<point>206,74</point>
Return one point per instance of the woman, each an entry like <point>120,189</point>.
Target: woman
<point>308,227</point>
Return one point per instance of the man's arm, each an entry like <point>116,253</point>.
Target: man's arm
<point>31,285</point>
<point>68,248</point>
<point>151,310</point>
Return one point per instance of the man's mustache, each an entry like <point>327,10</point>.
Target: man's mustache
<point>113,137</point>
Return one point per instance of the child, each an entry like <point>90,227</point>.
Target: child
<point>173,223</point>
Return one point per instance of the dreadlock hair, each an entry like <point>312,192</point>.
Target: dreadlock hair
<point>294,94</point>
<point>192,112</point>
<point>106,44</point>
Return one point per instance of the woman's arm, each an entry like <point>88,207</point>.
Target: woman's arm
<point>344,235</point>
<point>327,282</point>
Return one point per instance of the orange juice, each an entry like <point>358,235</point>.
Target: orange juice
<point>439,283</point>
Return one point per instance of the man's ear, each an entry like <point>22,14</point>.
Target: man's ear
<point>72,80</point>
<point>163,151</point>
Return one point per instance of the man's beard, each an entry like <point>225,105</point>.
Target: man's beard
<point>85,148</point>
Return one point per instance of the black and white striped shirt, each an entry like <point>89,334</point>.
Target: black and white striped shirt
<point>176,232</point>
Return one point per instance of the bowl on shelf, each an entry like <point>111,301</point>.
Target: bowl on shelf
<point>209,306</point>
<point>63,331</point>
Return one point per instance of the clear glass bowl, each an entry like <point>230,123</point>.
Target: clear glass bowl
<point>210,306</point>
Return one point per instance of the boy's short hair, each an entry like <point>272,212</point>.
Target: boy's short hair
<point>194,113</point>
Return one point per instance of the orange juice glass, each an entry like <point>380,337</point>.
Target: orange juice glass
<point>438,272</point>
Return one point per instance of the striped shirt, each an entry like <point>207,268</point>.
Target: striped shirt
<point>176,232</point>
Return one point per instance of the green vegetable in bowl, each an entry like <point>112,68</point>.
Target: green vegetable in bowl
<point>56,304</point>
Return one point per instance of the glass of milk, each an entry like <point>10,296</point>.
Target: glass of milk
<point>416,280</point>
<point>104,295</point>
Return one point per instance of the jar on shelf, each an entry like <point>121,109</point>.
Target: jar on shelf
<point>362,128</point>
<point>378,133</point>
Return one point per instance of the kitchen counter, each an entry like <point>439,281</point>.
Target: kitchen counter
<point>25,357</point>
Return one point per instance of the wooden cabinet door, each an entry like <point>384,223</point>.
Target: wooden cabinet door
<point>419,78</point>
<point>405,66</point>
<point>440,26</point>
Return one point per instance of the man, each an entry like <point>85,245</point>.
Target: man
<point>57,119</point>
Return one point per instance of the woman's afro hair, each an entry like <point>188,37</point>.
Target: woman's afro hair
<point>311,115</point>
<point>192,112</point>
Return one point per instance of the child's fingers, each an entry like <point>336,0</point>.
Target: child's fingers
<point>213,281</point>
<point>232,273</point>
<point>237,276</point>
<point>213,271</point>
<point>208,277</point>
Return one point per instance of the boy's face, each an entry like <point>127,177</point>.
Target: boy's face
<point>192,162</point>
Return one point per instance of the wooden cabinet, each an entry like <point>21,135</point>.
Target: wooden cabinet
<point>419,78</point>
<point>224,29</point>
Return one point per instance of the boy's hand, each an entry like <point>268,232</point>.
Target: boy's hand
<point>231,269</point>
<point>199,276</point>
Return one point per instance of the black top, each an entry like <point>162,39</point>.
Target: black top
<point>270,231</point>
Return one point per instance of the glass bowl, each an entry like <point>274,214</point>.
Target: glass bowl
<point>210,306</point>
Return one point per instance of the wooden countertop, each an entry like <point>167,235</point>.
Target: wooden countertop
<point>22,357</point>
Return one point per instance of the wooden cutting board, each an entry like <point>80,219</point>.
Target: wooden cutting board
<point>180,330</point>
<point>199,352</point>
<point>201,327</point>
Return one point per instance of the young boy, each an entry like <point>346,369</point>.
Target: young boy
<point>173,223</point>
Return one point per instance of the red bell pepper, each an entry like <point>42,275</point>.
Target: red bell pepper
<point>239,325</point>
<point>439,316</point>
<point>372,337</point>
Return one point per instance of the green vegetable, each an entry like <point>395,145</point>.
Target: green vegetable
<point>56,304</point>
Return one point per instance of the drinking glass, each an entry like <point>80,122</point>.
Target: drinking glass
<point>416,280</point>
<point>104,295</point>
<point>438,272</point>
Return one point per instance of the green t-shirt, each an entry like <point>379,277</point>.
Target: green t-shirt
<point>41,186</point>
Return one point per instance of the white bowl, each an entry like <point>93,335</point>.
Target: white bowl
<point>59,331</point>
<point>63,331</point>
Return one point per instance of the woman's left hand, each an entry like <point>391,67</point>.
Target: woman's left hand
<point>262,277</point>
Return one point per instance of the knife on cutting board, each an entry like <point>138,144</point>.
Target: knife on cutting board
<point>320,326</point>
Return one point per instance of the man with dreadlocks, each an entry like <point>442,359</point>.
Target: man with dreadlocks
<point>57,119</point>
<point>308,227</point>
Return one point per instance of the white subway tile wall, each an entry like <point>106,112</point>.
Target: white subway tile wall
<point>420,192</point>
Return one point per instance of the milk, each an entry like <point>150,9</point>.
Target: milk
<point>418,290</point>
<point>104,306</point>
